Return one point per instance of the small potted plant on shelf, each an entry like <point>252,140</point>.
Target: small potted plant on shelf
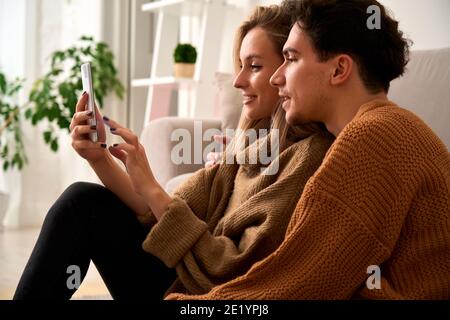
<point>185,56</point>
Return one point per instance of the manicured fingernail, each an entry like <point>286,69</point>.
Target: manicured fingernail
<point>105,118</point>
<point>84,93</point>
<point>103,145</point>
<point>113,129</point>
<point>115,145</point>
<point>90,113</point>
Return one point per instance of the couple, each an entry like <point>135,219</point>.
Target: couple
<point>378,195</point>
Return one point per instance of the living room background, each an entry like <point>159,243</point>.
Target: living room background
<point>42,26</point>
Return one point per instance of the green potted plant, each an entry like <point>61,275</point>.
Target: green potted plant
<point>11,137</point>
<point>185,56</point>
<point>53,98</point>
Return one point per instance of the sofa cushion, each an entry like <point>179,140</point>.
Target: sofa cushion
<point>173,183</point>
<point>425,89</point>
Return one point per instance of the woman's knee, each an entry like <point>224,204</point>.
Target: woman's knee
<point>75,201</point>
<point>83,192</point>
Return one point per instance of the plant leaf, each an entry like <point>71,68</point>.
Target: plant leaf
<point>54,145</point>
<point>47,136</point>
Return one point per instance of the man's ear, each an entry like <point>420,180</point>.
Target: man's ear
<point>342,68</point>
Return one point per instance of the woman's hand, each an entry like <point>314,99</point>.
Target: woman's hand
<point>79,132</point>
<point>132,154</point>
<point>215,157</point>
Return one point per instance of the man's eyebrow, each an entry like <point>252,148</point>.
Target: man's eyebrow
<point>289,50</point>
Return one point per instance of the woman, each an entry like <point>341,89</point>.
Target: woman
<point>212,229</point>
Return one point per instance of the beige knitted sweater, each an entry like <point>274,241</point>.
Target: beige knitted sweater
<point>207,247</point>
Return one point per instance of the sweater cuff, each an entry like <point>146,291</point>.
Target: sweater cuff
<point>175,233</point>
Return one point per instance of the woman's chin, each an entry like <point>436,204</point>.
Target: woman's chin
<point>250,113</point>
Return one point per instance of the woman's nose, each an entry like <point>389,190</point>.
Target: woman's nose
<point>240,80</point>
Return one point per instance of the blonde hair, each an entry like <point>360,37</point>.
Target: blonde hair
<point>277,24</point>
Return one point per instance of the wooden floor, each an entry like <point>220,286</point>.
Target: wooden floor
<point>15,249</point>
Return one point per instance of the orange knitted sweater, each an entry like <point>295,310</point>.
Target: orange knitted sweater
<point>381,197</point>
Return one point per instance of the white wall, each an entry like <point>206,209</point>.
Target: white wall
<point>243,9</point>
<point>426,22</point>
<point>12,64</point>
<point>12,46</point>
<point>39,28</point>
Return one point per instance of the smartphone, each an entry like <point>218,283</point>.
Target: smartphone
<point>86,76</point>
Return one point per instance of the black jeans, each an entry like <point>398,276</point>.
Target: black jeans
<point>89,222</point>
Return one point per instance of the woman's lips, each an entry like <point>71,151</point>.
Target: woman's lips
<point>249,99</point>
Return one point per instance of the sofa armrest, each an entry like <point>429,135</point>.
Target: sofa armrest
<point>157,138</point>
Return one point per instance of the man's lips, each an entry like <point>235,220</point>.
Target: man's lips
<point>284,100</point>
<point>283,96</point>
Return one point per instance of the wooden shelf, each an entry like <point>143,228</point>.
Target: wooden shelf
<point>176,7</point>
<point>163,81</point>
<point>205,20</point>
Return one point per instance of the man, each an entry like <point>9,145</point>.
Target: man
<point>374,220</point>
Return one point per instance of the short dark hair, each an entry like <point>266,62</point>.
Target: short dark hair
<point>340,27</point>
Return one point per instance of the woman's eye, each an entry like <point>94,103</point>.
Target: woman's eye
<point>290,59</point>
<point>255,67</point>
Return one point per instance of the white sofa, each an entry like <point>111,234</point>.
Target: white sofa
<point>424,89</point>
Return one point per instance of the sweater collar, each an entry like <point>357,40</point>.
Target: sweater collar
<point>372,105</point>
<point>250,157</point>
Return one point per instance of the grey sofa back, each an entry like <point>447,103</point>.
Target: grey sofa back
<point>425,89</point>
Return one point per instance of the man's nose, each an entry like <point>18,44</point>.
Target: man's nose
<point>278,79</point>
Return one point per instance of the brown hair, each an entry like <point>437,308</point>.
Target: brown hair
<point>276,22</point>
<point>341,27</point>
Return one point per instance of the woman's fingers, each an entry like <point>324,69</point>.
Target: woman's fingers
<point>129,149</point>
<point>119,154</point>
<point>80,118</point>
<point>81,104</point>
<point>123,132</point>
<point>87,144</point>
<point>79,132</point>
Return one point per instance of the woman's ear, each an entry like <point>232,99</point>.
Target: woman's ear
<point>342,69</point>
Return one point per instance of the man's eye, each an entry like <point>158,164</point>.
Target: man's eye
<point>255,67</point>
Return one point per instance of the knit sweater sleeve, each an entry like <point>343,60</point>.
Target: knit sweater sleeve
<point>348,218</point>
<point>202,259</point>
<point>194,191</point>
<point>183,222</point>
